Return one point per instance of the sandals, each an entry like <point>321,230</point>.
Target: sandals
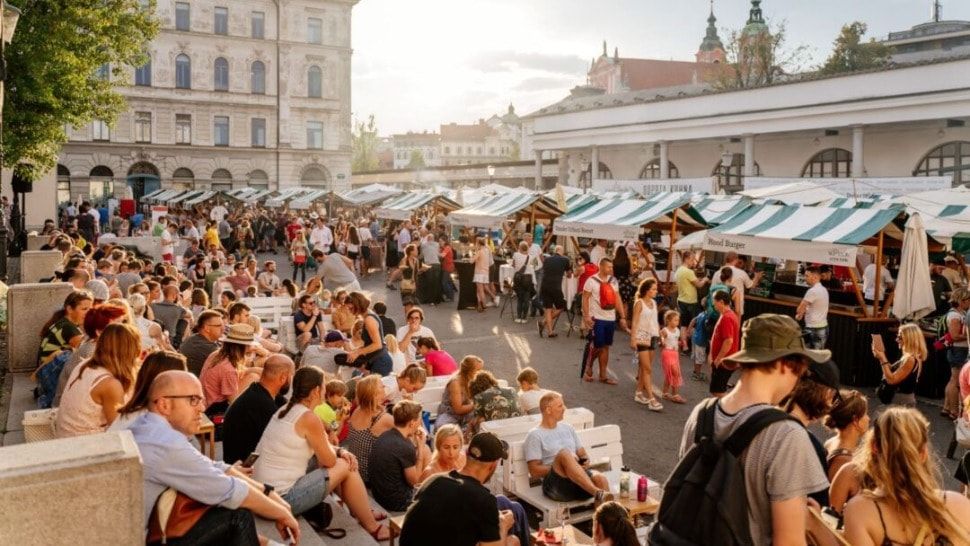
<point>376,533</point>
<point>609,381</point>
<point>588,378</point>
<point>654,405</point>
<point>678,399</point>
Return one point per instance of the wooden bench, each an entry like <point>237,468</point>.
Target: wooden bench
<point>270,310</point>
<point>603,444</point>
<point>430,396</point>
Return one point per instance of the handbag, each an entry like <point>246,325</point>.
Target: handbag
<point>410,284</point>
<point>963,433</point>
<point>885,392</point>
<point>520,280</point>
<point>174,515</point>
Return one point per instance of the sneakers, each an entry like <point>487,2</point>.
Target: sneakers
<point>601,497</point>
<point>496,301</point>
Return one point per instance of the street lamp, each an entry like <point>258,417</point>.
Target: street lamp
<point>8,24</point>
<point>491,173</point>
<point>727,159</point>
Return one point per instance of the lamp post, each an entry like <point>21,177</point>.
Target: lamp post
<point>727,159</point>
<point>491,173</point>
<point>9,16</point>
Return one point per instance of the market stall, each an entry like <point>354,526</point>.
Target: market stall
<point>201,198</point>
<point>286,195</point>
<point>404,206</point>
<point>493,213</point>
<point>307,200</point>
<point>822,235</point>
<point>184,196</point>
<point>147,198</point>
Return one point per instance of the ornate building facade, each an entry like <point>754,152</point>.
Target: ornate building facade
<point>237,93</point>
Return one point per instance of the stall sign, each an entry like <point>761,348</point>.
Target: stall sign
<point>861,187</point>
<point>652,186</point>
<point>785,249</point>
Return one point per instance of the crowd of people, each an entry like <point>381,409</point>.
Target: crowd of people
<point>152,346</point>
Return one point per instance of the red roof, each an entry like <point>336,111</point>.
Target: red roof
<point>478,131</point>
<point>640,74</point>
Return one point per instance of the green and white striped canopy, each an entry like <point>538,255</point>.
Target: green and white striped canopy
<point>623,219</point>
<point>149,196</point>
<point>306,200</point>
<point>366,196</point>
<point>201,198</point>
<point>492,212</point>
<point>715,210</point>
<point>812,234</point>
<point>401,207</point>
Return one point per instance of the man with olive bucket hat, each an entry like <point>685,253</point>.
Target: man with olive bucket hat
<point>779,465</point>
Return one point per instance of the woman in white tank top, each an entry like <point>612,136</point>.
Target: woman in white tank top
<point>292,437</point>
<point>646,333</point>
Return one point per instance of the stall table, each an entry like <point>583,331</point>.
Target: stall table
<point>465,271</point>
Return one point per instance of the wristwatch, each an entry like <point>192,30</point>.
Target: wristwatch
<point>267,489</point>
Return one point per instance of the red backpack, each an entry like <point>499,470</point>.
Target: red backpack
<point>607,294</point>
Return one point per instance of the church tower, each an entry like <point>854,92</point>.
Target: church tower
<point>712,49</point>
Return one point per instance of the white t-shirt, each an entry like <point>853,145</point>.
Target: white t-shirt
<point>740,281</point>
<point>217,213</point>
<point>817,298</point>
<point>529,400</point>
<point>168,242</point>
<point>403,240</point>
<point>411,349</point>
<point>364,234</point>
<point>392,393</point>
<point>535,251</point>
<point>597,254</point>
<point>321,238</point>
<point>869,281</point>
<point>592,287</point>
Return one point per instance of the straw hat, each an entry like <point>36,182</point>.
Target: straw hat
<point>242,334</point>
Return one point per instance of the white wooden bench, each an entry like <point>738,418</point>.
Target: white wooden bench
<point>603,444</point>
<point>430,396</point>
<point>269,310</point>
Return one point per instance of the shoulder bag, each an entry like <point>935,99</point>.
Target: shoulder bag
<point>174,515</point>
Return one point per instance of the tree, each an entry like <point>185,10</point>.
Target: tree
<point>365,142</point>
<point>53,77</point>
<point>417,160</point>
<point>754,59</point>
<point>850,53</point>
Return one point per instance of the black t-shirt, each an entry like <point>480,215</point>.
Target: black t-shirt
<point>391,456</point>
<point>245,421</point>
<point>553,270</point>
<point>196,349</point>
<point>822,497</point>
<point>299,316</point>
<point>388,324</point>
<point>451,510</point>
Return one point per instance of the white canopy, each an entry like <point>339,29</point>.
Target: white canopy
<point>913,298</point>
<point>801,193</point>
<point>401,207</point>
<point>492,212</point>
<point>622,219</point>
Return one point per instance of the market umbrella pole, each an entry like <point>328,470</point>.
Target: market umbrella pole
<point>876,294</point>
<point>673,239</point>
<point>858,292</point>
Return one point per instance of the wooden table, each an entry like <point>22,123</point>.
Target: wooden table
<point>636,508</point>
<point>573,536</point>
<point>207,429</point>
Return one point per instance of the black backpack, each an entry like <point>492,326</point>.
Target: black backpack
<point>704,500</point>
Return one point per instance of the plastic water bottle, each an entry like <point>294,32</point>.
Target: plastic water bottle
<point>642,489</point>
<point>625,483</point>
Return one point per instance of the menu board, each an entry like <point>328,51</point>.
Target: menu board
<point>763,289</point>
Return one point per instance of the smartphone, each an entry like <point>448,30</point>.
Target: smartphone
<point>289,536</point>
<point>251,460</point>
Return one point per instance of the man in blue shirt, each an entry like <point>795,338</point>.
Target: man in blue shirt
<point>170,461</point>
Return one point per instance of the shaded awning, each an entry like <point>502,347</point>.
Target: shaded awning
<point>149,196</point>
<point>810,234</point>
<point>201,198</point>
<point>715,210</point>
<point>366,196</point>
<point>306,200</point>
<point>257,196</point>
<point>190,194</point>
<point>285,195</point>
<point>803,193</point>
<point>493,211</point>
<point>401,207</point>
<point>623,219</point>
<point>164,195</point>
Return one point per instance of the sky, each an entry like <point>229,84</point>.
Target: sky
<point>421,63</point>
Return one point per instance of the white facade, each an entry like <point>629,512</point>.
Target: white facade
<point>279,78</point>
<point>427,145</point>
<point>885,124</point>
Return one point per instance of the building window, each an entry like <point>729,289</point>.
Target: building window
<point>733,176</point>
<point>99,130</point>
<point>314,31</point>
<point>447,150</point>
<point>257,22</point>
<point>652,170</point>
<point>63,184</point>
<point>143,74</point>
<point>221,131</point>
<point>258,72</point>
<point>587,175</point>
<point>259,133</point>
<point>183,128</point>
<point>950,158</point>
<point>221,23</point>
<point>314,82</point>
<point>183,72</point>
<point>314,135</point>
<point>831,163</point>
<point>220,75</point>
<point>182,16</point>
<point>103,72</point>
<point>143,126</point>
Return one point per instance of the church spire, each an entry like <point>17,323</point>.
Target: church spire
<point>712,49</point>
<point>756,20</point>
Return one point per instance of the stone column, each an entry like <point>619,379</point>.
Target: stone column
<point>664,162</point>
<point>594,167</point>
<point>749,155</point>
<point>538,174</point>
<point>858,151</point>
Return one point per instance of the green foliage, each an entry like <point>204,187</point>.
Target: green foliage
<point>417,160</point>
<point>365,140</point>
<point>757,59</point>
<point>52,67</point>
<point>850,53</point>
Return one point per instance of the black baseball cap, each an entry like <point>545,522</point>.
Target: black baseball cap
<point>486,447</point>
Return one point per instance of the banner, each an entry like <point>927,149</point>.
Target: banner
<point>800,251</point>
<point>657,185</point>
<point>610,232</point>
<point>158,211</point>
<point>860,187</point>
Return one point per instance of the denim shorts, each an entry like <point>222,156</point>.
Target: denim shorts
<point>561,489</point>
<point>308,491</point>
<point>816,338</point>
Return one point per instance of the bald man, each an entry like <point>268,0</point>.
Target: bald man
<point>247,417</point>
<point>170,461</point>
